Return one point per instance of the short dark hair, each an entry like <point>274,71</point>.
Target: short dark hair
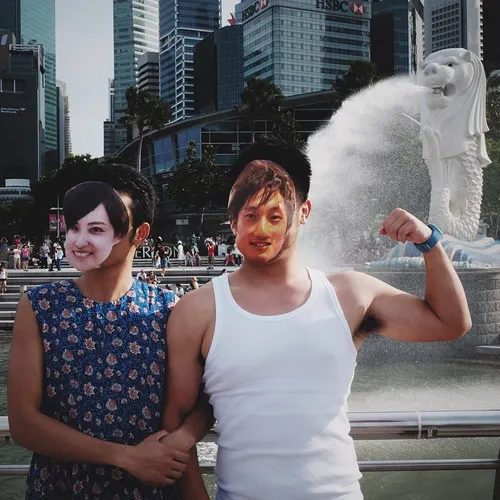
<point>87,196</point>
<point>265,176</point>
<point>292,160</point>
<point>128,181</point>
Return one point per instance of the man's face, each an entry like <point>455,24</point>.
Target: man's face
<point>261,229</point>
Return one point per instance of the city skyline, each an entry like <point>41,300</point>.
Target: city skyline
<point>84,48</point>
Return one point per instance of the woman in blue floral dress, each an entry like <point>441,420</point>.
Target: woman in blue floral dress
<point>105,365</point>
<point>90,354</point>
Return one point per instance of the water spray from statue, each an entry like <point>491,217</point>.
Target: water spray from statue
<point>401,144</point>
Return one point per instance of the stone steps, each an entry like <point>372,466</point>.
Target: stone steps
<point>19,281</point>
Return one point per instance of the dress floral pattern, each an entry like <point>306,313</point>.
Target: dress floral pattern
<point>105,365</point>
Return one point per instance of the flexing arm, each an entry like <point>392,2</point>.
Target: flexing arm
<point>443,314</point>
<point>188,414</point>
<point>149,461</point>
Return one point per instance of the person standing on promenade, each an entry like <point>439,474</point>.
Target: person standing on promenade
<point>274,344</point>
<point>87,361</point>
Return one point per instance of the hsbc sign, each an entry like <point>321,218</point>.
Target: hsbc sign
<point>253,9</point>
<point>357,8</point>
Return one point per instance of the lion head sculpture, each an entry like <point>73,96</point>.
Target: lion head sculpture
<point>455,106</point>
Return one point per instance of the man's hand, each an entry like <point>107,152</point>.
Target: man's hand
<point>402,226</point>
<point>154,463</point>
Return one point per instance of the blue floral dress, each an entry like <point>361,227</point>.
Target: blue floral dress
<point>104,376</point>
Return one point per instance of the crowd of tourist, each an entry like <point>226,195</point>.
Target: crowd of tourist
<point>23,253</point>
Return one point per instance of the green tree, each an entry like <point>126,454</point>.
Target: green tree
<point>198,183</point>
<point>493,105</point>
<point>360,74</point>
<point>144,111</point>
<point>491,189</point>
<point>55,184</point>
<point>261,100</point>
<point>284,131</point>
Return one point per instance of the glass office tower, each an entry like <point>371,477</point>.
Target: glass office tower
<point>183,23</point>
<point>135,25</point>
<point>303,45</point>
<point>34,23</point>
<point>397,36</point>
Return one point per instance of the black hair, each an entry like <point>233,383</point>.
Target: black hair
<point>87,196</point>
<point>128,181</point>
<point>292,160</point>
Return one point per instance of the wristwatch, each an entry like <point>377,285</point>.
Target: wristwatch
<point>433,240</point>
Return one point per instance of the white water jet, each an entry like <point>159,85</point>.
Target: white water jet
<point>358,160</point>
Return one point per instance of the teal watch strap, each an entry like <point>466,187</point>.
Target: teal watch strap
<point>433,240</point>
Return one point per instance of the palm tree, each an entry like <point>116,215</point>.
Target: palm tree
<point>261,100</point>
<point>144,111</point>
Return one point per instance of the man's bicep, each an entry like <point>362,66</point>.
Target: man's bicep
<point>184,363</point>
<point>402,316</point>
<point>25,367</point>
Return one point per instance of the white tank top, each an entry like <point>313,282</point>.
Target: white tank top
<point>279,388</point>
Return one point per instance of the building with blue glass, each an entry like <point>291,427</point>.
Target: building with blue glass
<point>303,45</point>
<point>22,110</point>
<point>218,70</point>
<point>183,23</point>
<point>397,36</point>
<point>34,23</point>
<point>135,25</point>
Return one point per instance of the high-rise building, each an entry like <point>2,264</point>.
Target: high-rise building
<point>135,25</point>
<point>303,45</point>
<point>148,73</point>
<point>66,119</point>
<point>491,44</point>
<point>109,138</point>
<point>218,70</point>
<point>397,36</point>
<point>22,110</point>
<point>60,121</point>
<point>183,23</point>
<point>111,99</point>
<point>454,23</point>
<point>109,124</point>
<point>34,23</point>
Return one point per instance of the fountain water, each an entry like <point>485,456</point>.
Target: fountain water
<point>409,145</point>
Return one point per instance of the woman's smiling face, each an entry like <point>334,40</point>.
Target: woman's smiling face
<point>90,241</point>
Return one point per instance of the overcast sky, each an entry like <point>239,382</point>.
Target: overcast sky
<point>84,40</point>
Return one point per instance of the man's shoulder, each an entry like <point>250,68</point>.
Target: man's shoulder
<point>352,285</point>
<point>198,304</point>
<point>358,287</point>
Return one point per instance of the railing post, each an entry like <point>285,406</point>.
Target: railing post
<point>496,486</point>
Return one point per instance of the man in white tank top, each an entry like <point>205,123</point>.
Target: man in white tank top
<point>274,344</point>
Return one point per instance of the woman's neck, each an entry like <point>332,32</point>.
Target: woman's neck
<point>106,284</point>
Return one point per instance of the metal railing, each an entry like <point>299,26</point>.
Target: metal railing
<point>379,426</point>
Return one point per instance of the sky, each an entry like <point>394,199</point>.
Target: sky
<point>84,51</point>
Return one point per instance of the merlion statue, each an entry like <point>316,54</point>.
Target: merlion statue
<point>453,124</point>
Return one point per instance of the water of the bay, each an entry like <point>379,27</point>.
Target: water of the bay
<point>384,386</point>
